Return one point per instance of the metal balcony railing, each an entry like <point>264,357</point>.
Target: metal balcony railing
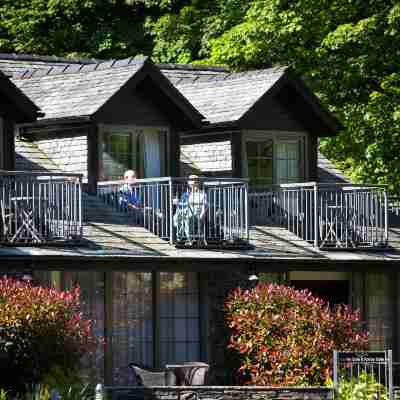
<point>213,213</point>
<point>327,215</point>
<point>39,208</point>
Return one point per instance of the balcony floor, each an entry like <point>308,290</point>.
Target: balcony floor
<point>107,234</point>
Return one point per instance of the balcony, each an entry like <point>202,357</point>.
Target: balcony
<point>213,215</point>
<point>330,216</point>
<point>40,208</point>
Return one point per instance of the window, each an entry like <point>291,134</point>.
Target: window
<point>152,318</point>
<point>155,320</point>
<point>141,149</point>
<point>260,161</point>
<point>269,159</point>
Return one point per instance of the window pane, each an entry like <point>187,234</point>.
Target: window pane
<point>132,328</point>
<point>281,151</point>
<point>281,171</point>
<point>266,148</point>
<point>293,169</point>
<point>116,155</point>
<point>252,169</point>
<point>251,149</point>
<point>92,307</point>
<point>293,151</point>
<point>179,317</point>
<point>379,305</point>
<point>265,169</point>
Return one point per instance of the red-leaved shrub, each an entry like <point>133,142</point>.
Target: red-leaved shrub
<point>286,336</point>
<point>40,329</point>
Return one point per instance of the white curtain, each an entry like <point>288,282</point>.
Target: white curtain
<point>152,161</point>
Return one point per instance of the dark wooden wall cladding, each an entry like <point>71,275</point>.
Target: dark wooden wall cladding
<point>270,114</point>
<point>132,107</point>
<point>311,169</point>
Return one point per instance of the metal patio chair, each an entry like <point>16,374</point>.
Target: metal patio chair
<point>151,377</point>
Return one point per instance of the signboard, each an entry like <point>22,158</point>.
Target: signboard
<point>361,357</point>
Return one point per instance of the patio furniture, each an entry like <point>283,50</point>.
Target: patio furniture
<point>6,218</point>
<point>152,377</point>
<point>189,373</point>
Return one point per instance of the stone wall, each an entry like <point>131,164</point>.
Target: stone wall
<point>217,393</point>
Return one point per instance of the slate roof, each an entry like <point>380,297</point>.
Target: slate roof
<point>76,93</point>
<point>328,173</point>
<point>227,97</point>
<point>24,65</point>
<point>28,157</point>
<point>218,94</point>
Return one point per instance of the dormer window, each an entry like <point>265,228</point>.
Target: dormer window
<point>142,149</point>
<point>273,158</point>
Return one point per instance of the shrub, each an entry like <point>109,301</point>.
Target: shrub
<point>40,329</point>
<point>286,337</point>
<point>364,388</point>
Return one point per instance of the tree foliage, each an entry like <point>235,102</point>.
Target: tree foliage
<point>348,53</point>
<point>346,50</point>
<point>287,337</point>
<point>91,28</point>
<point>41,329</point>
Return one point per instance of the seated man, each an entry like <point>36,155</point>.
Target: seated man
<point>191,212</point>
<point>129,198</point>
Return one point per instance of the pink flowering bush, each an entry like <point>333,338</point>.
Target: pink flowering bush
<point>286,336</point>
<point>40,329</point>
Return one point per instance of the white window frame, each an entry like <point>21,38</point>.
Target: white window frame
<point>130,129</point>
<point>276,136</point>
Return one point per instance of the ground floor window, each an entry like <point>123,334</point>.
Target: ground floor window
<point>149,318</point>
<point>374,294</point>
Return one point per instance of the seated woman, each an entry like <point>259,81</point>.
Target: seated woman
<point>190,214</point>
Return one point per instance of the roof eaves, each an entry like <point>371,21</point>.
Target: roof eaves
<point>315,103</point>
<point>54,121</point>
<point>274,88</point>
<point>134,79</point>
<point>21,100</point>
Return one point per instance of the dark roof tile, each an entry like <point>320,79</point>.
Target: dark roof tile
<point>76,94</point>
<point>227,97</point>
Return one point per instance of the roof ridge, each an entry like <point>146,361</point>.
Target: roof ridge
<point>232,75</point>
<point>76,68</point>
<point>192,67</point>
<point>55,59</point>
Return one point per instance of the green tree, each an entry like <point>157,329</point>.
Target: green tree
<point>348,53</point>
<point>93,28</point>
